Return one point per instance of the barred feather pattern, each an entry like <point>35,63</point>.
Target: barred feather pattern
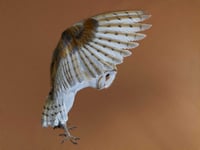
<point>87,55</point>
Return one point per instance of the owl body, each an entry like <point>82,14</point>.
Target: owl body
<point>86,56</point>
<point>56,112</point>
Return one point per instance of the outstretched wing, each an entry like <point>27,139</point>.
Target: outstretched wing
<point>87,55</point>
<point>95,45</point>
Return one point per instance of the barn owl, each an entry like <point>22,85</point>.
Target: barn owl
<point>86,56</point>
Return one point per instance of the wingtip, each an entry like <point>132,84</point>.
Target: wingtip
<point>146,26</point>
<point>146,16</point>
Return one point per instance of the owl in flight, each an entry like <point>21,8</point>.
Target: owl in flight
<point>86,56</point>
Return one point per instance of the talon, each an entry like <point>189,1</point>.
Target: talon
<point>67,135</point>
<point>77,138</point>
<point>74,142</point>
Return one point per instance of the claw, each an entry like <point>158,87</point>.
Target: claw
<point>67,135</point>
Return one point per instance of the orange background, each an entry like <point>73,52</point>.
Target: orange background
<point>154,103</point>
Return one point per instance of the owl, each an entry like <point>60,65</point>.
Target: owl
<point>86,56</point>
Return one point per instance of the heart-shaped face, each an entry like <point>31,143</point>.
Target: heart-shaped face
<point>106,79</point>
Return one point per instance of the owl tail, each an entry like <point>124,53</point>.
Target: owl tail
<point>55,111</point>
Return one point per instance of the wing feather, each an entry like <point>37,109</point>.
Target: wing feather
<point>81,68</point>
<point>130,19</point>
<point>119,13</point>
<point>66,72</point>
<point>90,64</point>
<point>116,43</point>
<point>94,63</point>
<point>69,69</point>
<point>85,66</point>
<point>98,44</point>
<point>76,66</point>
<point>123,28</point>
<point>122,36</point>
<point>107,56</point>
<point>94,52</point>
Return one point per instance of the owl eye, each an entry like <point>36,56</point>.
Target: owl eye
<point>107,76</point>
<point>106,79</point>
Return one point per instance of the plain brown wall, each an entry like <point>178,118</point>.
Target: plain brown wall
<point>154,103</point>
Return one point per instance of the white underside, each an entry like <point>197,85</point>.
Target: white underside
<point>66,99</point>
